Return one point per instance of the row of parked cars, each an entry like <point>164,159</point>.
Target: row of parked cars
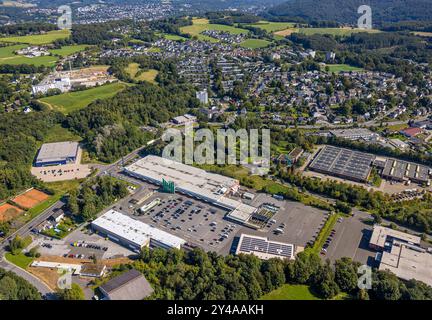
<point>88,245</point>
<point>330,238</point>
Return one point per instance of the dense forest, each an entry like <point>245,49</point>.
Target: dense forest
<point>197,275</point>
<point>111,128</point>
<point>13,287</point>
<point>94,195</point>
<point>21,135</point>
<point>383,11</point>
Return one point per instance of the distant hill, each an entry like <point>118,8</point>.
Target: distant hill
<point>345,11</point>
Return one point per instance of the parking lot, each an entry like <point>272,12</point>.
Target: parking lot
<point>351,239</point>
<point>205,225</point>
<point>88,246</point>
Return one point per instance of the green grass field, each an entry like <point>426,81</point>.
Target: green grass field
<point>133,69</point>
<point>71,101</point>
<point>20,260</point>
<point>7,56</point>
<point>334,31</point>
<point>290,292</point>
<point>255,43</point>
<point>174,37</point>
<point>39,39</point>
<point>57,134</point>
<point>200,25</point>
<point>341,68</point>
<point>68,50</point>
<point>272,26</point>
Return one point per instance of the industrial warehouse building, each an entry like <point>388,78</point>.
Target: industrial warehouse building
<point>265,249</point>
<point>382,238</point>
<point>401,254</point>
<point>131,285</point>
<point>58,153</point>
<point>408,262</point>
<point>343,163</point>
<point>132,233</point>
<point>193,182</point>
<point>356,166</point>
<point>400,171</point>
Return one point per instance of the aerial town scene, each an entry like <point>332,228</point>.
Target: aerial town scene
<point>215,150</point>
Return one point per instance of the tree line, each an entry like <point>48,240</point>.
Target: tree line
<point>13,287</point>
<point>197,275</point>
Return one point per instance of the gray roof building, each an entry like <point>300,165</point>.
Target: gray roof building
<point>57,153</point>
<point>343,163</point>
<point>131,285</point>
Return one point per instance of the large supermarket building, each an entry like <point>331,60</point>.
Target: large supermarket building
<point>194,182</point>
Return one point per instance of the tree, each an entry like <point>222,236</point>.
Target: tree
<point>324,282</point>
<point>386,286</point>
<point>16,245</point>
<point>8,288</point>
<point>74,293</point>
<point>346,275</point>
<point>72,203</point>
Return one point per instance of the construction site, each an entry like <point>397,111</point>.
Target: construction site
<point>67,80</point>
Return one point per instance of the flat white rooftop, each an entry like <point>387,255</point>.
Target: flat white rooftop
<point>407,263</point>
<point>135,231</point>
<point>184,176</point>
<point>193,181</point>
<point>57,151</point>
<point>380,234</point>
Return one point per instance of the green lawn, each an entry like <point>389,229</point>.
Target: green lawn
<point>68,50</point>
<point>334,31</point>
<point>20,260</point>
<point>291,292</point>
<point>7,56</point>
<point>135,72</point>
<point>336,68</point>
<point>39,39</point>
<point>57,134</point>
<point>71,101</point>
<point>174,37</point>
<point>200,25</point>
<point>255,43</point>
<point>272,26</point>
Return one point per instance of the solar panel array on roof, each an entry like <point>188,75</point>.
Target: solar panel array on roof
<point>343,163</point>
<point>250,244</point>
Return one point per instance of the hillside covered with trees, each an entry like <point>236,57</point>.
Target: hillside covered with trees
<point>384,11</point>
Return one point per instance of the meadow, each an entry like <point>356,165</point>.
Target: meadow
<point>334,31</point>
<point>7,56</point>
<point>174,37</point>
<point>272,26</point>
<point>255,43</point>
<point>200,25</point>
<point>39,39</point>
<point>71,101</point>
<point>133,69</point>
<point>290,292</point>
<point>336,68</point>
<point>68,50</point>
